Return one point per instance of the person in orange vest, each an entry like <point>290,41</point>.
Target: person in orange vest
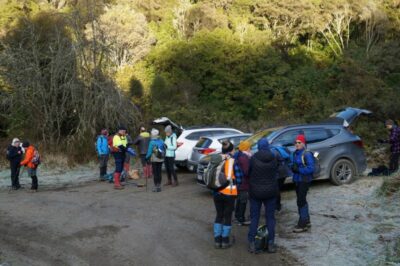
<point>29,163</point>
<point>224,201</point>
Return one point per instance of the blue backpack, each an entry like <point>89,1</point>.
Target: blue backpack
<point>284,162</point>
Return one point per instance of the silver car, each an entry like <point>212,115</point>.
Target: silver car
<point>341,153</point>
<point>207,145</point>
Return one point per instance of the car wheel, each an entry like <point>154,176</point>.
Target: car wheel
<point>180,166</point>
<point>342,172</point>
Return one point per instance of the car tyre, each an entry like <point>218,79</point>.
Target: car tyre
<point>342,172</point>
<point>180,166</point>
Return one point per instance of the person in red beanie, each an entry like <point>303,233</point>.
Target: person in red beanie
<point>303,169</point>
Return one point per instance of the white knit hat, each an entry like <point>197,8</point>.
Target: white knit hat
<point>154,132</point>
<point>15,140</point>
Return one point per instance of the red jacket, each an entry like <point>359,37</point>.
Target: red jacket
<point>28,158</point>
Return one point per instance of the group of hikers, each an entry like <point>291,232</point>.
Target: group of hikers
<point>153,153</point>
<point>260,175</point>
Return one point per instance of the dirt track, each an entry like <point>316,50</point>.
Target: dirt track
<point>96,225</point>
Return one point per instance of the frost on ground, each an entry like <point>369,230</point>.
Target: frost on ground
<point>351,225</point>
<point>53,177</point>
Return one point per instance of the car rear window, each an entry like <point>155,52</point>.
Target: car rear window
<point>203,143</point>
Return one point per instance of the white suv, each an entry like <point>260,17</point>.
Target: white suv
<point>188,137</point>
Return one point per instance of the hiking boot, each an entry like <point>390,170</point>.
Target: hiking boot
<point>159,189</point>
<point>175,183</point>
<point>218,242</point>
<point>300,229</point>
<point>168,183</point>
<point>226,243</point>
<point>271,248</point>
<point>308,224</point>
<point>154,189</point>
<point>119,187</point>
<point>244,223</point>
<point>252,248</point>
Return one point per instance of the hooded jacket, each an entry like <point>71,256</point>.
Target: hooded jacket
<point>170,142</point>
<point>102,145</point>
<point>263,175</point>
<point>29,153</point>
<point>14,154</point>
<point>142,141</point>
<point>155,142</point>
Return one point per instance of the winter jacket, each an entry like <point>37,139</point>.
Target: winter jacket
<point>102,145</point>
<point>394,139</point>
<point>29,152</point>
<point>150,155</point>
<point>14,154</point>
<point>244,164</point>
<point>142,141</point>
<point>120,144</point>
<point>263,175</point>
<point>305,172</point>
<point>170,142</point>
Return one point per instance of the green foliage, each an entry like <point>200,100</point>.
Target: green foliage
<point>247,63</point>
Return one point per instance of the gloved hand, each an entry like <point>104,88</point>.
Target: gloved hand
<point>295,168</point>
<point>122,148</point>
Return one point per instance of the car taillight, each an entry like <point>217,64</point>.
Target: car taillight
<point>359,143</point>
<point>178,144</point>
<point>207,151</point>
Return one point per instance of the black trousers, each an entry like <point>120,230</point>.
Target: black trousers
<point>241,203</point>
<point>224,206</point>
<point>281,182</point>
<point>15,167</point>
<point>301,193</point>
<point>34,182</point>
<point>170,167</point>
<point>157,173</point>
<point>394,162</point>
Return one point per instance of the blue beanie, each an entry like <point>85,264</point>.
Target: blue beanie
<point>263,144</point>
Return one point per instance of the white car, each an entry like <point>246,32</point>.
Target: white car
<point>188,137</point>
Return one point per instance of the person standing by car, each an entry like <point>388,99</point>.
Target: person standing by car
<point>263,190</point>
<point>31,163</point>
<point>171,145</point>
<point>394,141</point>
<point>142,141</point>
<point>119,146</point>
<point>156,154</point>
<point>14,155</point>
<point>103,152</point>
<point>303,169</point>
<point>243,162</point>
<point>224,201</point>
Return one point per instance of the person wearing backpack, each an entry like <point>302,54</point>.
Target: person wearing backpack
<point>224,201</point>
<point>142,142</point>
<point>103,152</point>
<point>263,190</point>
<point>14,155</point>
<point>128,155</point>
<point>156,154</point>
<point>31,164</point>
<point>242,163</point>
<point>119,146</point>
<point>303,170</point>
<point>171,145</point>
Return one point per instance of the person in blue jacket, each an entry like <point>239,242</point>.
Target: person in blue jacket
<point>156,154</point>
<point>103,152</point>
<point>303,169</point>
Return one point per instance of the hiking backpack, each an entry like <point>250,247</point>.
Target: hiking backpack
<point>260,240</point>
<point>214,175</point>
<point>159,150</point>
<point>36,157</point>
<point>317,166</point>
<point>284,165</point>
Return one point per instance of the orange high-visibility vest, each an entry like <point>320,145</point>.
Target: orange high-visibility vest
<point>230,190</point>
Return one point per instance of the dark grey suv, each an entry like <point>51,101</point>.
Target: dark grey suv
<point>340,152</point>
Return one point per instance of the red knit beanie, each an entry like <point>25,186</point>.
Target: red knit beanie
<point>301,138</point>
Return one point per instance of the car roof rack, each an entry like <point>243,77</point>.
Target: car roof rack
<point>207,126</point>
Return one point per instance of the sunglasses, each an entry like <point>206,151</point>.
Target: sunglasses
<point>298,142</point>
